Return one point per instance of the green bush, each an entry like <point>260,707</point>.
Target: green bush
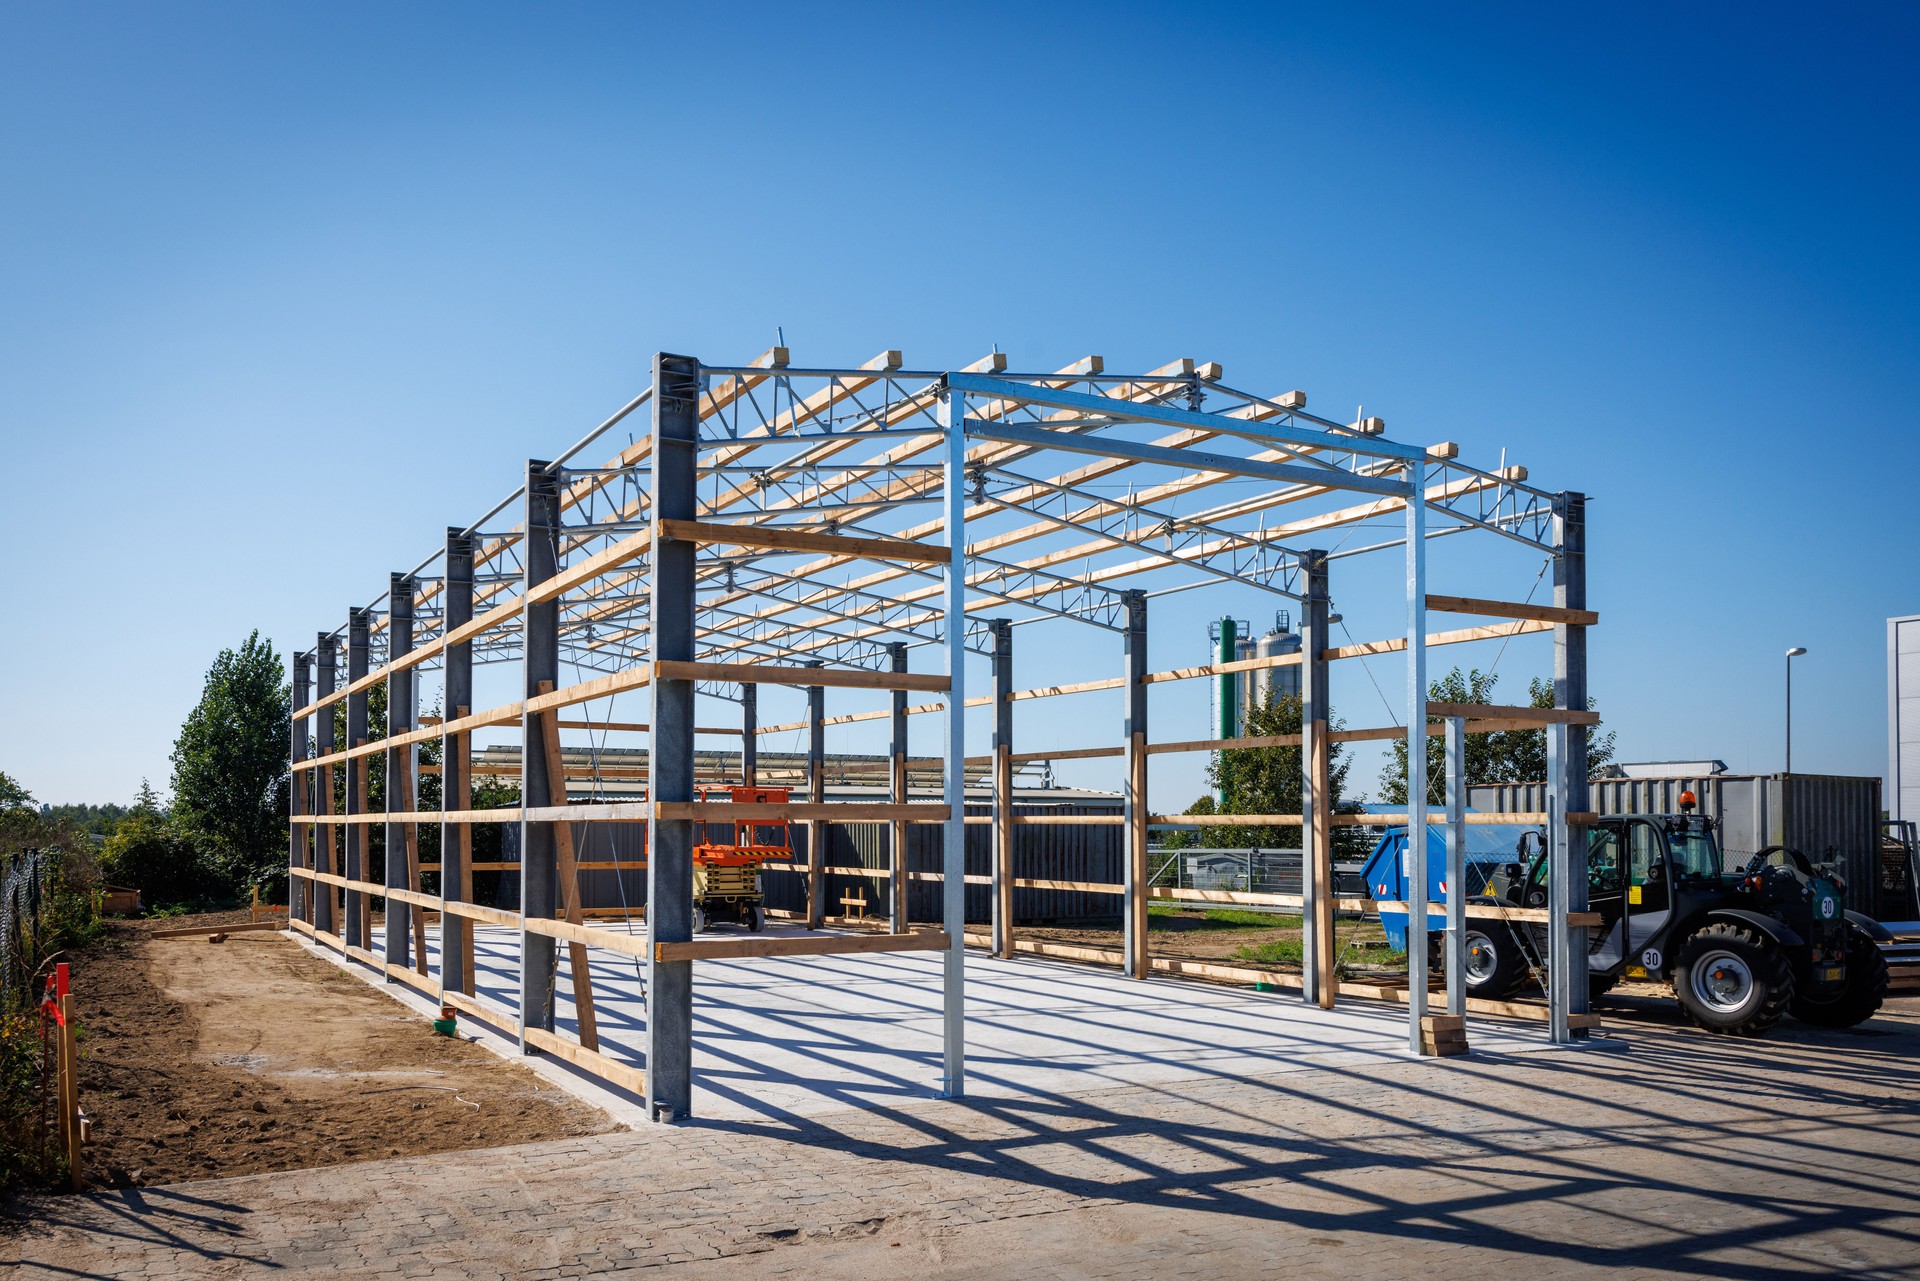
<point>150,853</point>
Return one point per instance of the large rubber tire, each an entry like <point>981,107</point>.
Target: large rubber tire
<point>756,918</point>
<point>1860,998</point>
<point>1732,979</point>
<point>699,919</point>
<point>1496,969</point>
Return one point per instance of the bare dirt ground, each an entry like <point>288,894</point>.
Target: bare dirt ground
<point>203,1061</point>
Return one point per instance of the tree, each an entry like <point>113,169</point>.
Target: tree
<point>147,801</point>
<point>228,763</point>
<point>13,795</point>
<point>1505,756</point>
<point>1267,780</point>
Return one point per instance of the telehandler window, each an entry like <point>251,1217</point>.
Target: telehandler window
<point>1647,860</point>
<point>1604,864</point>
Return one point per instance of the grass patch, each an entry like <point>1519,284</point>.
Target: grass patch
<point>1287,952</point>
<point>1162,916</point>
<point>1278,952</point>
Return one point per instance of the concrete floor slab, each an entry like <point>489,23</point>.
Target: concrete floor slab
<point>803,1036</point>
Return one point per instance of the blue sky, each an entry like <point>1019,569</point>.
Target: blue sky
<point>331,273</point>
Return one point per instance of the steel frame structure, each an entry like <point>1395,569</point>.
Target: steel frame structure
<point>816,527</point>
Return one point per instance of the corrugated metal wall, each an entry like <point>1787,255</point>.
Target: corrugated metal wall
<point>1828,817</point>
<point>1059,852</point>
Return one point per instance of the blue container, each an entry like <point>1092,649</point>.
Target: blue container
<point>1389,873</point>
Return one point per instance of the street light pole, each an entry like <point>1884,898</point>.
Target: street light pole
<point>1792,654</point>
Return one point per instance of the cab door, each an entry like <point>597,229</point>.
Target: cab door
<point>1607,892</point>
<point>1649,891</point>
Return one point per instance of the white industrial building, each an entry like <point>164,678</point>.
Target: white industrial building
<point>1903,717</point>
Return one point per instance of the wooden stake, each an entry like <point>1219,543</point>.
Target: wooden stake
<point>70,1092</point>
<point>569,876</point>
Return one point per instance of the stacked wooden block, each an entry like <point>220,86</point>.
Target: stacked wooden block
<point>1443,1034</point>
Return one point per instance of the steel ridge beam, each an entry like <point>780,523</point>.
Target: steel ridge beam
<point>1136,411</point>
<point>1190,460</point>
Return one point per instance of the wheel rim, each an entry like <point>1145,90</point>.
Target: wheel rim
<point>1722,981</point>
<point>1482,959</point>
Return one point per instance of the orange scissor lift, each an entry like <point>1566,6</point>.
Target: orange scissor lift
<point>726,872</point>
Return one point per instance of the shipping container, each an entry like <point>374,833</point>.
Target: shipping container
<point>1828,817</point>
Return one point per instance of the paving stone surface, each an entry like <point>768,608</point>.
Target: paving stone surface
<point>1657,1152</point>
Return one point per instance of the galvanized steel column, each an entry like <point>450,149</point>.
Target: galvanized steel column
<point>816,794</point>
<point>299,835</point>
<point>327,836</point>
<point>952,411</point>
<point>539,665</point>
<point>456,792</point>
<point>1318,981</point>
<point>1003,836</point>
<point>1416,753</point>
<point>1456,865</point>
<point>899,878</point>
<point>1570,692</point>
<point>1134,804</point>
<point>750,735</point>
<point>400,775</point>
<point>676,427</point>
<point>359,932</point>
<point>1566,966</point>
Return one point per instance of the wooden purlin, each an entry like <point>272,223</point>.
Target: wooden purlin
<point>895,414</point>
<point>768,433</point>
<point>714,401</point>
<point>1252,412</point>
<point>1085,550</point>
<point>1167,378</point>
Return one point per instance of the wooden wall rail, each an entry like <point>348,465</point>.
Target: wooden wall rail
<point>599,1064</point>
<point>1246,975</point>
<point>1434,819</point>
<point>1512,609</point>
<point>1493,631</point>
<point>485,1011</point>
<point>1397,644</point>
<point>763,945</point>
<point>826,677</point>
<point>776,538</point>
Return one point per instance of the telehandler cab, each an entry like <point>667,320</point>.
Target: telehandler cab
<point>1740,948</point>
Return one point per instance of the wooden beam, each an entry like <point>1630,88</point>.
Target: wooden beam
<point>1226,744</point>
<point>500,1020</point>
<point>487,915</point>
<point>1222,669</point>
<point>569,877</point>
<point>1054,691</point>
<point>773,674</point>
<point>1246,976</point>
<point>1070,754</point>
<point>586,691</point>
<point>624,1075</point>
<point>1397,644</point>
<point>591,935</point>
<point>202,931</point>
<point>592,567</point>
<point>797,811</point>
<point>761,945</point>
<point>1538,715</point>
<point>1512,609</point>
<point>776,538</point>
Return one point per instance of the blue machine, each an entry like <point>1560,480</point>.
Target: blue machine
<point>1490,846</point>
